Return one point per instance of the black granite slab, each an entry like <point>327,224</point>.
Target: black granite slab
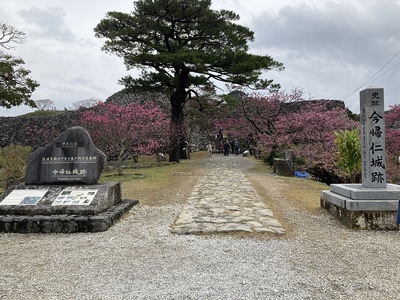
<point>71,158</point>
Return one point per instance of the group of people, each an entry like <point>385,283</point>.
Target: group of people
<point>224,146</point>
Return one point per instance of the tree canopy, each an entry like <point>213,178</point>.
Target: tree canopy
<point>16,87</point>
<point>133,128</point>
<point>281,121</point>
<point>180,46</point>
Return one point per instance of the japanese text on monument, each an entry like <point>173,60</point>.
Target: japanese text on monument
<point>373,138</point>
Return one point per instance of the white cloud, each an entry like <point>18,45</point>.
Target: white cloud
<point>332,50</point>
<point>48,22</point>
<point>61,51</point>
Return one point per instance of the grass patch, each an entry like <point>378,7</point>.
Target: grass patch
<point>44,113</point>
<point>261,167</point>
<point>154,183</point>
<point>150,181</point>
<point>305,191</point>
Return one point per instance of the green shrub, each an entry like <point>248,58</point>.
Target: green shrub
<point>349,155</point>
<point>299,161</point>
<point>269,159</point>
<point>13,162</point>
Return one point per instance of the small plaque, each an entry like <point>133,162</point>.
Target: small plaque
<point>71,196</point>
<point>24,197</point>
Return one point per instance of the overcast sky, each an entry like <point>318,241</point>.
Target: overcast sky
<point>330,49</point>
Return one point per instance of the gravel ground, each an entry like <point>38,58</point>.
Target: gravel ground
<point>139,258</point>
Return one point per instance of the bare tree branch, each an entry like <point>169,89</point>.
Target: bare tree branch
<point>10,34</point>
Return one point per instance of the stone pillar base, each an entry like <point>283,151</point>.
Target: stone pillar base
<point>62,208</point>
<point>363,208</point>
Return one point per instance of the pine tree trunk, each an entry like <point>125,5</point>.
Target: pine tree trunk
<point>178,99</point>
<point>177,135</point>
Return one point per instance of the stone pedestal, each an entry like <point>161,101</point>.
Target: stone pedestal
<point>363,208</point>
<point>62,208</point>
<point>282,168</point>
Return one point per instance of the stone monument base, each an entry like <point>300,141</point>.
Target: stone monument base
<point>363,208</point>
<point>62,208</point>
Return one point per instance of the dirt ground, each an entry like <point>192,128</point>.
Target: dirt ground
<point>139,258</point>
<point>283,195</point>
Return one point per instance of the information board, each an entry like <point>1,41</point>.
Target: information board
<point>71,196</point>
<point>24,197</point>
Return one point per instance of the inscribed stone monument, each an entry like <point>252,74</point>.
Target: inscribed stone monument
<point>374,203</point>
<point>71,158</point>
<point>61,193</point>
<point>373,153</point>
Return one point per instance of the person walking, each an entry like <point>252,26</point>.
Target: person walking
<point>220,147</point>
<point>209,149</point>
<point>232,146</point>
<point>227,148</point>
<point>236,146</point>
<point>220,135</point>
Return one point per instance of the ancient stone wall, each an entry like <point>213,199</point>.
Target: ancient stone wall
<point>20,130</point>
<point>23,130</point>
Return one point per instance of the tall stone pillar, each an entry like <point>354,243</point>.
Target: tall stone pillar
<point>373,153</point>
<point>374,203</point>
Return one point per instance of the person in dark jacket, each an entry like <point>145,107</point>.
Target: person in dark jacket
<point>220,147</point>
<point>227,148</point>
<point>236,146</point>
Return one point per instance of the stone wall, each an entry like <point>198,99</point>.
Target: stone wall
<point>21,130</point>
<point>199,139</point>
<point>18,130</point>
<point>64,223</point>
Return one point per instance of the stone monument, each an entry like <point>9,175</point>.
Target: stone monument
<point>70,158</point>
<point>372,204</point>
<point>61,191</point>
<point>373,138</point>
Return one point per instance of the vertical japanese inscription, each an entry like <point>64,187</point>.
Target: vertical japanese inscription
<point>373,138</point>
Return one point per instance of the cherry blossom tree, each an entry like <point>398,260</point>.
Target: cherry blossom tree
<point>284,121</point>
<point>309,131</point>
<point>135,128</point>
<point>392,132</point>
<point>253,117</point>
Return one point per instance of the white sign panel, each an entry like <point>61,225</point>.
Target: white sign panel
<point>24,197</point>
<point>71,196</point>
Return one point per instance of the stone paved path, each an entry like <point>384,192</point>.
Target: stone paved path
<point>223,200</point>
